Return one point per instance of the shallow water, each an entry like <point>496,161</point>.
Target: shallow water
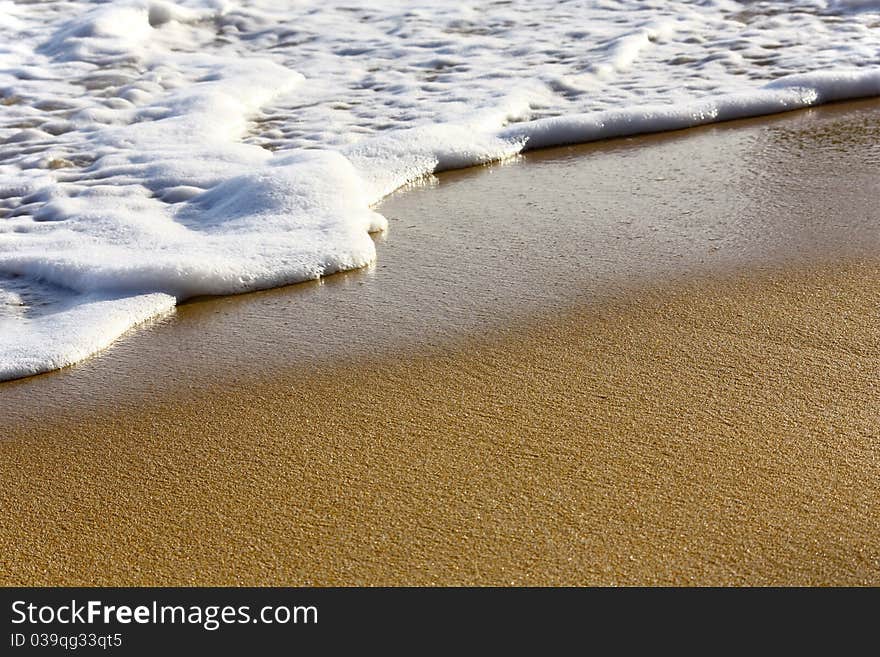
<point>477,253</point>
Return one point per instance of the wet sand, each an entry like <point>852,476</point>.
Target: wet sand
<point>640,362</point>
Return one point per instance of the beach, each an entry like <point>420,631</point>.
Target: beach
<point>644,361</point>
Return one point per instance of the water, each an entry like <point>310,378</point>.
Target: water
<point>151,152</point>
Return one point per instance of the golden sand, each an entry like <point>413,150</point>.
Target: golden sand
<point>720,434</point>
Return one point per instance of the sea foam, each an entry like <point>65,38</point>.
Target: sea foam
<point>155,151</point>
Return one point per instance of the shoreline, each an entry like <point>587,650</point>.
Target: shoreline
<point>576,225</point>
<point>634,362</point>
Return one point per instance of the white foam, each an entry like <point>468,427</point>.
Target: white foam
<point>32,346</point>
<point>786,93</point>
<point>154,151</point>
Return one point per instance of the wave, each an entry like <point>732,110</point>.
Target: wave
<point>151,152</point>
